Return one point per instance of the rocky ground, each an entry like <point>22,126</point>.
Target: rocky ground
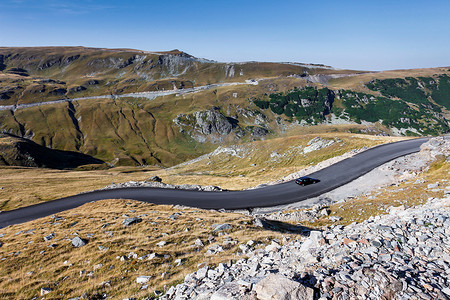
<point>402,255</point>
<point>157,184</point>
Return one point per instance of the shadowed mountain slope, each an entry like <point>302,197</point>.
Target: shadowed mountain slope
<point>15,151</point>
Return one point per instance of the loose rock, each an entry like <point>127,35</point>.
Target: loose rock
<point>78,242</point>
<point>131,221</point>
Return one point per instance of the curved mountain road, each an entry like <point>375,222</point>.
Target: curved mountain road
<point>331,177</point>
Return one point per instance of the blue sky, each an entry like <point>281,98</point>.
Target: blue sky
<point>370,35</point>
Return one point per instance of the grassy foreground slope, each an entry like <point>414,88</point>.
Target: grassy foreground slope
<point>115,255</point>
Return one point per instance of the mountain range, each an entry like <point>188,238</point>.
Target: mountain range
<point>132,107</point>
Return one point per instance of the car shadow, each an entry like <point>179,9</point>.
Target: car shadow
<point>284,227</point>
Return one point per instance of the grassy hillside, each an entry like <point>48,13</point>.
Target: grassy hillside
<point>165,131</point>
<point>135,131</point>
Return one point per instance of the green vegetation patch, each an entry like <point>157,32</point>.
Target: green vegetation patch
<point>392,113</point>
<point>409,89</point>
<point>415,90</point>
<point>404,104</point>
<point>309,104</point>
<point>441,93</point>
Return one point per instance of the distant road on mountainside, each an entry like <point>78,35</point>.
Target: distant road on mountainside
<point>148,95</point>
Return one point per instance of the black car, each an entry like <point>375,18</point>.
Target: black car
<point>305,180</point>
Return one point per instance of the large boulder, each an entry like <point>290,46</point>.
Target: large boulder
<point>279,287</point>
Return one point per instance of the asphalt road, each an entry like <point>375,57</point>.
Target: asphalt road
<point>284,193</point>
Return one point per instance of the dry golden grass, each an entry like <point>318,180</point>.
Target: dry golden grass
<point>28,263</point>
<point>26,186</point>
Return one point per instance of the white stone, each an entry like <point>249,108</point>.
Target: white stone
<point>201,273</point>
<point>227,291</point>
<point>45,291</point>
<point>161,244</point>
<point>143,279</point>
<point>272,247</point>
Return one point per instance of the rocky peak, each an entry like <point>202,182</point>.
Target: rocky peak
<point>176,52</point>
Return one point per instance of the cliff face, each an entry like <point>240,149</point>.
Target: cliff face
<point>213,126</point>
<point>209,125</point>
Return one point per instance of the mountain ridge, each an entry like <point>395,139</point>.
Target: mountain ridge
<point>120,125</point>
